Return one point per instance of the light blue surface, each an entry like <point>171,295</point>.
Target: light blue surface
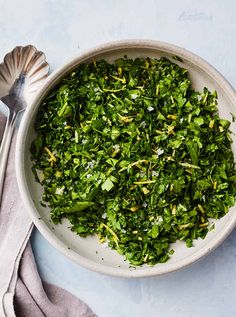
<point>62,29</point>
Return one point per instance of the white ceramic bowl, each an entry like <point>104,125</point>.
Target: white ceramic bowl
<point>83,250</point>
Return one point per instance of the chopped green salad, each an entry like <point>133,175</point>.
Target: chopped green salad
<point>131,152</point>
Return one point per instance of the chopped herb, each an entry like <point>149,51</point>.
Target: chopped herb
<point>130,152</point>
<point>177,58</point>
<point>233,117</point>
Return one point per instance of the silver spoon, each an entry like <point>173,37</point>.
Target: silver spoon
<point>21,75</point>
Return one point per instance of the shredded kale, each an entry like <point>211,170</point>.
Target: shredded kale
<point>130,152</point>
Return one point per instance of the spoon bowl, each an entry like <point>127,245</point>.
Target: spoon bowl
<point>21,74</point>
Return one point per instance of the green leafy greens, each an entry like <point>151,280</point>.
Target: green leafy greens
<point>131,152</point>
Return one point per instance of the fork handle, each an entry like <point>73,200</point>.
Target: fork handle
<point>5,146</point>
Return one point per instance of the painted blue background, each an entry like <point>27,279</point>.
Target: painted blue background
<point>64,28</point>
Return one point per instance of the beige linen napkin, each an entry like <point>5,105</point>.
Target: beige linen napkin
<point>22,293</point>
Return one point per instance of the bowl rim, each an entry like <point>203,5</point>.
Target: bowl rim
<point>20,170</point>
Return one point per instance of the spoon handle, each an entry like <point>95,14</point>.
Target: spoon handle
<point>5,146</point>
